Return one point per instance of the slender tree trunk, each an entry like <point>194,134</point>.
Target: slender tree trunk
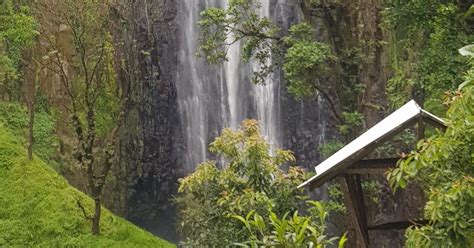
<point>96,218</point>
<point>31,102</point>
<point>31,123</point>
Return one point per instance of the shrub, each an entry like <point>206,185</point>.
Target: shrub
<point>251,183</point>
<point>290,230</point>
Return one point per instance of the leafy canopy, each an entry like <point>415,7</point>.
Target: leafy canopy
<point>444,166</point>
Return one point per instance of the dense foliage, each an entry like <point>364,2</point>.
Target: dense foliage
<point>424,38</point>
<point>219,206</point>
<point>17,31</point>
<point>38,208</point>
<point>444,166</point>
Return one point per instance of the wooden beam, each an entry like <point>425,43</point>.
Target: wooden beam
<point>371,166</point>
<point>401,225</point>
<point>354,201</point>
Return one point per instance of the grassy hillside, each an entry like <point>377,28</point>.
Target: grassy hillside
<point>39,208</point>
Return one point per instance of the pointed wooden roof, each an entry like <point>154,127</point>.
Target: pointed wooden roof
<point>402,118</point>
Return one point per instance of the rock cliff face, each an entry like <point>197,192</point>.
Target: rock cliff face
<point>155,48</point>
<point>146,176</point>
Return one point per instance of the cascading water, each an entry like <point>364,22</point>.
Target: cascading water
<point>213,97</point>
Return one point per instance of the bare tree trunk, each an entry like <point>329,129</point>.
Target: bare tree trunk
<point>373,72</point>
<point>96,217</point>
<point>31,102</point>
<point>31,123</point>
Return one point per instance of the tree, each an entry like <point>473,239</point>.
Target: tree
<point>215,204</point>
<point>96,104</point>
<point>304,59</point>
<point>35,67</point>
<point>18,30</point>
<point>444,166</point>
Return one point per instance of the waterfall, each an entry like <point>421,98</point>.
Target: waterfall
<point>213,97</point>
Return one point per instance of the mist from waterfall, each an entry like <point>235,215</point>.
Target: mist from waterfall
<point>213,97</point>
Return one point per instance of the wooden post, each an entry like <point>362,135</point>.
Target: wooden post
<point>420,128</point>
<point>354,200</point>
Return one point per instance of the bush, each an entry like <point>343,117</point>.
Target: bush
<point>250,184</point>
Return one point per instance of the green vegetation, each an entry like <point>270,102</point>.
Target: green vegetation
<point>289,231</point>
<point>96,104</point>
<point>424,38</point>
<point>417,40</point>
<point>363,57</point>
<point>444,166</point>
<point>17,32</point>
<point>220,207</point>
<point>38,208</point>
<point>15,118</point>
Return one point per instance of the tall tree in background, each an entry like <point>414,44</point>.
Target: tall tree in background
<point>34,67</point>
<point>18,31</point>
<point>81,57</point>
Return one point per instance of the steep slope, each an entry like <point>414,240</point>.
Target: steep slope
<point>39,208</point>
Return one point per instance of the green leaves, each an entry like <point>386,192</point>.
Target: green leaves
<point>425,37</point>
<point>288,231</point>
<point>18,30</point>
<point>304,63</point>
<point>239,22</point>
<point>303,59</point>
<point>219,207</point>
<point>444,166</point>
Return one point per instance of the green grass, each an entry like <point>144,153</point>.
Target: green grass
<point>38,208</point>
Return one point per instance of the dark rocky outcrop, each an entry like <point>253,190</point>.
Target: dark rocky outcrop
<point>145,177</point>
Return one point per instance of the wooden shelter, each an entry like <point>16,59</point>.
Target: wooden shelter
<point>349,163</point>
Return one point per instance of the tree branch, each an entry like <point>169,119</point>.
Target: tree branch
<point>84,212</point>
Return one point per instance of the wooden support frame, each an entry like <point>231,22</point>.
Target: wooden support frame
<point>401,225</point>
<point>354,199</point>
<point>347,163</point>
<point>371,166</point>
<point>420,132</point>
